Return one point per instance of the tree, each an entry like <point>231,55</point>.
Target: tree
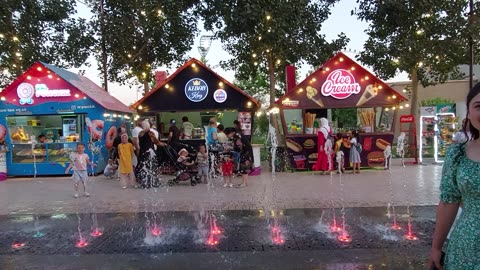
<point>426,39</point>
<point>264,35</point>
<point>41,30</point>
<point>142,35</point>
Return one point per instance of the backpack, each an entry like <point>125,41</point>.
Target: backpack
<point>359,148</point>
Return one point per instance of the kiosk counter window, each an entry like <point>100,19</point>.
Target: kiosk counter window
<point>62,132</point>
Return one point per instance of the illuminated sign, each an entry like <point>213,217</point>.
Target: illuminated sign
<point>290,103</point>
<point>340,84</point>
<point>407,118</point>
<point>196,90</point>
<point>220,95</point>
<point>41,90</point>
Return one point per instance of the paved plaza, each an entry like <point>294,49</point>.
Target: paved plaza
<point>410,185</point>
<point>280,221</point>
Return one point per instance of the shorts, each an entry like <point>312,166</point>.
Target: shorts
<point>202,170</point>
<point>80,176</point>
<point>227,168</point>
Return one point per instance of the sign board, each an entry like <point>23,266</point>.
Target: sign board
<point>220,95</point>
<point>196,90</point>
<point>428,111</point>
<point>445,108</point>
<point>290,103</point>
<point>340,84</point>
<point>407,118</point>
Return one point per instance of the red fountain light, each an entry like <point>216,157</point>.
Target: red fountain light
<point>410,235</point>
<point>277,237</point>
<point>396,227</point>
<point>18,245</point>
<point>344,237</point>
<point>212,240</point>
<point>214,228</point>
<point>156,231</point>
<point>335,227</point>
<point>81,243</point>
<point>96,232</point>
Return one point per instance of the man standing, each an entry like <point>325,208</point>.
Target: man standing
<point>187,128</point>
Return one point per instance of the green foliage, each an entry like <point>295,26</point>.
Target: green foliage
<point>261,124</point>
<point>143,35</point>
<point>41,30</point>
<point>346,118</point>
<point>426,39</point>
<point>264,35</point>
<point>427,36</point>
<point>436,101</point>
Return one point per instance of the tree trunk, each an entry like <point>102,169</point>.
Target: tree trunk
<point>414,105</point>
<point>145,87</point>
<point>103,47</point>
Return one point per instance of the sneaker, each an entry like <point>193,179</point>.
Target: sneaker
<point>75,195</point>
<point>241,186</point>
<point>124,187</point>
<point>86,194</point>
<point>225,185</point>
<point>230,185</point>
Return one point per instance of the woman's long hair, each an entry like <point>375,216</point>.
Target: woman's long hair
<point>467,126</point>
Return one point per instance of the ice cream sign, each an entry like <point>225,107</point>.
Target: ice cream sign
<point>26,92</point>
<point>340,84</point>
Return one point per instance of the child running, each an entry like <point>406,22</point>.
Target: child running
<point>79,166</point>
<point>202,163</point>
<point>125,157</point>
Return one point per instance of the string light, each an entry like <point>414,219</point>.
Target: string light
<point>18,54</point>
<point>401,106</point>
<point>268,17</point>
<point>140,107</point>
<point>327,69</point>
<point>254,55</point>
<point>143,12</point>
<point>166,87</point>
<point>394,96</point>
<point>50,76</point>
<point>15,38</point>
<point>220,84</point>
<point>386,109</point>
<point>420,64</point>
<point>39,68</point>
<point>341,59</point>
<point>3,98</point>
<point>407,105</point>
<point>144,74</point>
<point>2,36</point>
<point>134,47</point>
<point>259,37</point>
<point>256,63</point>
<point>130,71</point>
<point>419,31</point>
<point>76,95</point>
<point>300,90</point>
<point>278,61</point>
<point>29,77</point>
<point>194,65</point>
<point>129,56</point>
<point>404,90</point>
<point>366,78</point>
<point>352,68</point>
<point>160,12</point>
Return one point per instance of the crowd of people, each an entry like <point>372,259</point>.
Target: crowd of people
<point>138,160</point>
<point>331,151</point>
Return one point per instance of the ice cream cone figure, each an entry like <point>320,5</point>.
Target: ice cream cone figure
<point>369,93</point>
<point>311,94</point>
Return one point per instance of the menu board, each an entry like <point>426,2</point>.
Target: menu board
<point>245,119</point>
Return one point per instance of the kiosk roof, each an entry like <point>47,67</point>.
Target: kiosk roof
<point>194,87</point>
<point>341,83</point>
<point>81,84</point>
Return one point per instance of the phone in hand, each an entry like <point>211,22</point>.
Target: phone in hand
<point>442,261</point>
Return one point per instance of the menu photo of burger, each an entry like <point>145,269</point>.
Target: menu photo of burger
<point>309,144</point>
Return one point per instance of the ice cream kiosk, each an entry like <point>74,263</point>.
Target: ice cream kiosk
<point>47,111</point>
<point>340,83</point>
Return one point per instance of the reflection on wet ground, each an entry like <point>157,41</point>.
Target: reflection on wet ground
<point>244,239</point>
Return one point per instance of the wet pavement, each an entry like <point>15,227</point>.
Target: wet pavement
<point>246,239</point>
<point>414,185</point>
<point>211,227</point>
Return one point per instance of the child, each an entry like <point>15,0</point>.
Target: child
<point>125,157</point>
<point>110,169</point>
<point>183,157</point>
<point>79,166</point>
<point>246,159</point>
<point>387,154</point>
<point>340,158</point>
<point>202,163</point>
<point>227,169</point>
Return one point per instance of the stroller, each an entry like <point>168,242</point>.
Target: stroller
<point>181,171</point>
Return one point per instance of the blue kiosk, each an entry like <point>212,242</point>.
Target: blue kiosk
<point>61,108</point>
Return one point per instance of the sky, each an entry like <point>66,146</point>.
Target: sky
<point>339,21</point>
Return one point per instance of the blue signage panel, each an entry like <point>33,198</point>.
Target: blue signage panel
<point>196,90</point>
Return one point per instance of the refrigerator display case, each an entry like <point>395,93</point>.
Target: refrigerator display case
<point>428,140</point>
<point>446,127</point>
